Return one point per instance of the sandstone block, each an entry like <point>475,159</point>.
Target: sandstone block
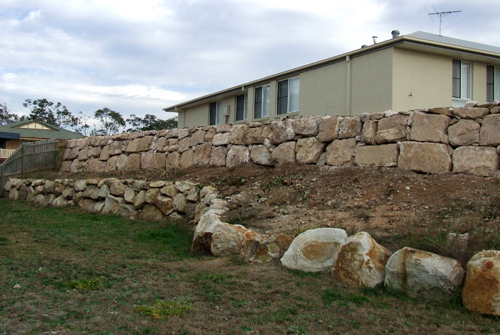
<point>340,152</point>
<point>221,139</point>
<point>218,156</point>
<point>464,132</point>
<point>424,275</point>
<point>281,131</point>
<point>349,127</point>
<point>256,135</point>
<point>260,155</point>
<point>238,134</point>
<point>117,188</point>
<point>308,150</point>
<point>424,157</point>
<point>186,159</point>
<point>284,153</point>
<point>392,129</point>
<point>470,112</point>
<point>197,138</point>
<point>315,250</point>
<point>361,262</point>
<point>173,160</point>
<point>180,203</point>
<point>183,145</point>
<point>92,192</point>
<point>144,143</point>
<point>150,213</point>
<point>429,128</point>
<point>121,162</point>
<point>479,161</point>
<point>165,204</point>
<point>328,129</point>
<point>369,132</point>
<point>481,293</point>
<point>158,161</point>
<point>202,154</point>
<point>378,155</point>
<point>237,155</point>
<point>307,126</point>
<point>490,130</point>
<point>265,248</point>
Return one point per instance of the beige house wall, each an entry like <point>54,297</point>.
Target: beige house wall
<point>420,80</point>
<point>371,82</point>
<point>323,91</point>
<point>479,82</point>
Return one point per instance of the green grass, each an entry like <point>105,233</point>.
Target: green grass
<point>67,272</point>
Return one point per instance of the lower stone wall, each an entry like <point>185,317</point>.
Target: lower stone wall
<point>436,141</point>
<point>150,201</point>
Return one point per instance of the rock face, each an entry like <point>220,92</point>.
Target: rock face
<point>424,275</point>
<point>481,293</point>
<point>315,250</point>
<point>424,157</point>
<point>361,262</point>
<point>429,128</point>
<point>378,155</point>
<point>479,161</point>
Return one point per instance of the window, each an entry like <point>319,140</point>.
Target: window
<point>461,80</point>
<point>261,108</point>
<point>241,107</point>
<point>492,83</point>
<point>288,95</point>
<point>215,113</point>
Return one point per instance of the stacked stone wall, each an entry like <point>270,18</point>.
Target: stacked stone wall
<point>149,201</point>
<point>436,141</point>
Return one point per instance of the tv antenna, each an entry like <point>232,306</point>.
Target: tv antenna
<point>441,14</point>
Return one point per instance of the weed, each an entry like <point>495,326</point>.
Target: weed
<point>84,284</point>
<point>231,180</point>
<point>332,295</point>
<point>297,330</point>
<point>217,277</point>
<point>4,241</point>
<point>269,183</point>
<point>303,274</point>
<point>165,308</point>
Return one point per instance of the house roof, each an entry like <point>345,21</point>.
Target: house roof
<point>418,40</point>
<point>50,132</point>
<point>9,136</point>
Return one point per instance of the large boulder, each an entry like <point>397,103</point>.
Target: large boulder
<point>237,155</point>
<point>391,129</point>
<point>481,293</point>
<point>315,250</point>
<point>340,152</point>
<point>220,238</point>
<point>490,130</point>
<point>431,158</point>
<point>479,161</point>
<point>377,155</point>
<point>361,262</point>
<point>464,132</point>
<point>265,248</point>
<point>429,128</point>
<point>308,150</point>
<point>424,275</point>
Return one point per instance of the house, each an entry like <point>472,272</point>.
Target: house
<point>418,70</point>
<point>14,134</point>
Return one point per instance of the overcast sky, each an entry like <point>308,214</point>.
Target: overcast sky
<point>137,57</point>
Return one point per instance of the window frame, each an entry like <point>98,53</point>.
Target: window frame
<point>462,84</point>
<point>262,101</point>
<point>288,101</point>
<point>241,110</point>
<point>492,83</point>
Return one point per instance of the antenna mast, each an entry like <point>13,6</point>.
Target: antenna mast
<point>441,14</point>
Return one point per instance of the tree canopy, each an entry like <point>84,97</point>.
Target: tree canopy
<point>49,112</point>
<point>5,116</point>
<point>150,122</point>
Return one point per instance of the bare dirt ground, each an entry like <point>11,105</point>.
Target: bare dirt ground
<point>382,201</point>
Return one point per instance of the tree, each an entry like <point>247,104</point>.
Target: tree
<point>5,116</point>
<point>111,122</point>
<point>49,112</point>
<point>150,122</point>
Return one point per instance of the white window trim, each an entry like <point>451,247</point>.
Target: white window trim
<point>465,82</point>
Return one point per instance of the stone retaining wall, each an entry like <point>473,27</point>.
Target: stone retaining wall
<point>150,201</point>
<point>435,141</point>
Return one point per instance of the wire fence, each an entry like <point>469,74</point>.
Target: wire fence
<point>29,157</point>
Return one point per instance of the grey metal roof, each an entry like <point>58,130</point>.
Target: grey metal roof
<point>454,41</point>
<point>54,133</point>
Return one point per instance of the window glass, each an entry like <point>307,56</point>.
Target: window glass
<point>283,97</point>
<point>258,103</point>
<point>241,107</point>
<point>456,78</point>
<point>294,88</point>
<point>465,81</point>
<point>266,100</point>
<point>215,113</point>
<point>496,83</point>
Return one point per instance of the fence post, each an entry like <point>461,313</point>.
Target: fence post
<point>1,180</point>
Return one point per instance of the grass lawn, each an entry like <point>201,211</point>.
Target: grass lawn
<point>67,272</point>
